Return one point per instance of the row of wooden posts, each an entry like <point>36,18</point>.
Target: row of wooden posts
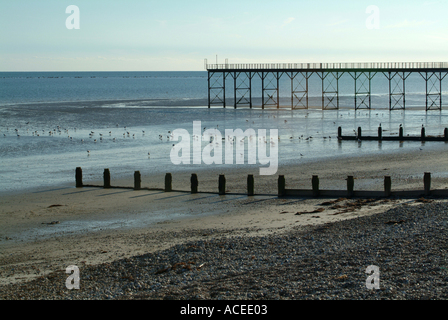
<point>400,137</point>
<point>315,191</point>
<point>194,182</point>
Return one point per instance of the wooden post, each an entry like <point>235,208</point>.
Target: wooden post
<point>400,132</point>
<point>250,185</point>
<point>222,185</point>
<point>106,178</point>
<point>427,183</point>
<point>380,133</point>
<point>387,186</point>
<point>350,186</point>
<point>359,132</point>
<point>423,133</point>
<point>315,184</point>
<point>281,186</point>
<point>137,180</point>
<point>78,177</point>
<point>168,182</point>
<point>194,183</point>
<point>339,132</point>
<point>445,132</point>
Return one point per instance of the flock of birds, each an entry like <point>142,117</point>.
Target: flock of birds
<point>59,131</point>
<point>100,137</point>
<point>169,136</point>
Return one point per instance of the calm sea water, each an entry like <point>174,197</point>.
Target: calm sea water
<point>48,121</point>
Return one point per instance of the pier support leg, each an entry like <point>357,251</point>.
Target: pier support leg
<point>242,88</point>
<point>330,90</point>
<point>270,82</point>
<point>299,89</point>
<point>433,89</point>
<point>216,88</point>
<point>363,89</point>
<point>397,89</point>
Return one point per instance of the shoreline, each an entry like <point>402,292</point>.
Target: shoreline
<point>332,170</point>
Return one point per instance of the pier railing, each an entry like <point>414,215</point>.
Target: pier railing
<point>327,66</point>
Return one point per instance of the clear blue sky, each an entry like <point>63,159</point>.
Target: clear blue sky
<point>146,35</point>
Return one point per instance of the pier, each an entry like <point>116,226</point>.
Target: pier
<point>330,73</point>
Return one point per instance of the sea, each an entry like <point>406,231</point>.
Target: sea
<point>53,122</point>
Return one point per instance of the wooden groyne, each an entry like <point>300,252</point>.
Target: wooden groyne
<point>282,191</point>
<point>400,137</point>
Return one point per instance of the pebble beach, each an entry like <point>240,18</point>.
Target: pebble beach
<point>326,261</point>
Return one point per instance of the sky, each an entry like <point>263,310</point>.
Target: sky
<point>172,35</point>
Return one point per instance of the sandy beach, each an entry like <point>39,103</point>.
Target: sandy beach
<point>44,231</point>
